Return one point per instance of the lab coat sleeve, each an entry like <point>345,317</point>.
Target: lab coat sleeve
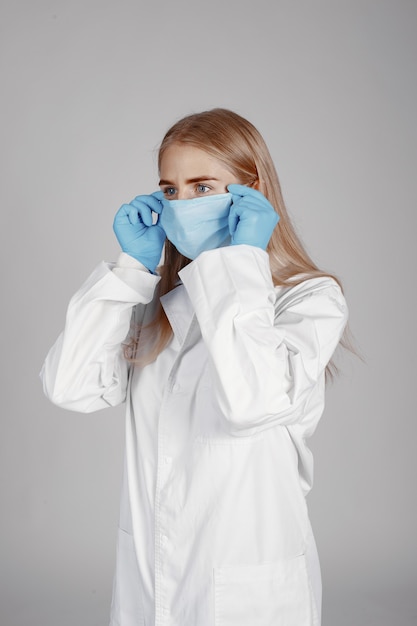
<point>86,369</point>
<point>268,346</point>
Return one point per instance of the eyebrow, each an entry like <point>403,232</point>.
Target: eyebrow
<point>196,179</point>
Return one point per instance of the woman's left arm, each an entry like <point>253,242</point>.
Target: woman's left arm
<point>268,346</point>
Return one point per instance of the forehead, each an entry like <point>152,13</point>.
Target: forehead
<point>185,160</point>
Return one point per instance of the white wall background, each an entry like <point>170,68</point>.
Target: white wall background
<point>88,88</point>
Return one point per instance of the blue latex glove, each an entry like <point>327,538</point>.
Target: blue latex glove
<point>252,217</point>
<point>136,233</point>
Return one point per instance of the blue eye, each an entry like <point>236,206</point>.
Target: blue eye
<point>170,191</point>
<point>202,188</point>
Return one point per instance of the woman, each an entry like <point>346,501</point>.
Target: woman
<point>221,358</point>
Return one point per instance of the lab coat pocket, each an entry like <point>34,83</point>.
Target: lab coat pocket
<point>271,594</point>
<point>127,609</point>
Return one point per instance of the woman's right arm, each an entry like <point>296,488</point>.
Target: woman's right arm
<point>86,369</point>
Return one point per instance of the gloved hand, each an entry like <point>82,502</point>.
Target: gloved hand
<point>252,217</point>
<point>136,233</point>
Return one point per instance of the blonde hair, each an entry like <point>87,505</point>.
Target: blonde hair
<point>236,143</point>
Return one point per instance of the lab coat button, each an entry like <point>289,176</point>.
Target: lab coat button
<point>176,388</point>
<point>164,539</point>
<point>167,460</point>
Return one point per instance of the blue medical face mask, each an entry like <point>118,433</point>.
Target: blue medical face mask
<point>196,225</point>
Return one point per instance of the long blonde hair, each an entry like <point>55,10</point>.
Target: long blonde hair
<point>238,145</point>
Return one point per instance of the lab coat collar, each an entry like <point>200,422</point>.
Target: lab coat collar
<point>179,310</point>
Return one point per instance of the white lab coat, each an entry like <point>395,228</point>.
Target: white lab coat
<point>214,529</point>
